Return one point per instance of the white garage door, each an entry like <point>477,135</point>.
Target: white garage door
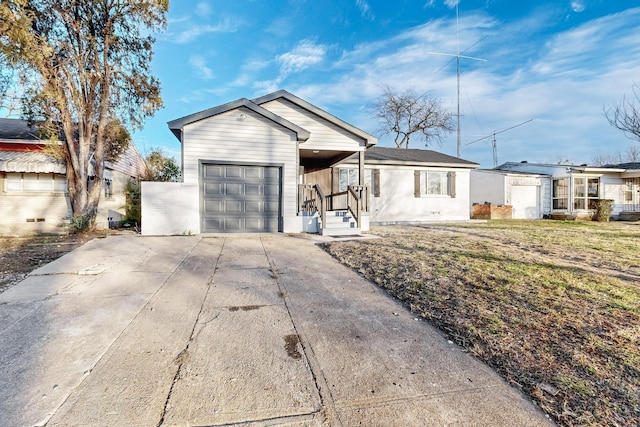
<point>240,198</point>
<point>524,201</point>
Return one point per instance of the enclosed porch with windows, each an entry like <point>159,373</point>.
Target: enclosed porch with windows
<point>577,195</point>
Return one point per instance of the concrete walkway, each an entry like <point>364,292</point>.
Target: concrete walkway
<point>244,330</point>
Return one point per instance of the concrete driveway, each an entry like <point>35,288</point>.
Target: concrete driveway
<point>244,330</point>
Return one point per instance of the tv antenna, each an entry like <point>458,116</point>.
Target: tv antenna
<point>494,145</point>
<point>459,55</point>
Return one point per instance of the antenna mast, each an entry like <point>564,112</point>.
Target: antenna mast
<point>458,55</point>
<point>494,145</point>
<point>458,77</point>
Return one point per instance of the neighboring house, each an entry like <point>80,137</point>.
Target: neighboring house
<point>33,185</point>
<point>411,185</point>
<point>527,193</point>
<point>563,191</point>
<point>274,164</point>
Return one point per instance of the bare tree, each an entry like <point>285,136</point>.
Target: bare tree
<point>632,154</point>
<point>86,69</point>
<point>410,113</point>
<point>606,159</point>
<point>625,116</point>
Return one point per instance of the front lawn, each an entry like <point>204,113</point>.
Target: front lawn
<point>553,306</point>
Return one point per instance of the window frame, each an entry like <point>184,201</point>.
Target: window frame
<point>556,198</point>
<point>35,183</point>
<point>428,176</point>
<point>584,196</point>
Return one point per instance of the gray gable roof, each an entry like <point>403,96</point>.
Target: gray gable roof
<point>370,139</point>
<point>17,129</point>
<point>628,166</point>
<point>177,125</point>
<point>412,156</point>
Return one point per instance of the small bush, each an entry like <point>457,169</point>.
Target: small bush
<point>604,207</point>
<point>83,222</point>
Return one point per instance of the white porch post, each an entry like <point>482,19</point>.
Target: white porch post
<point>361,168</point>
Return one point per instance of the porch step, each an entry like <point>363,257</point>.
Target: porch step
<point>340,223</point>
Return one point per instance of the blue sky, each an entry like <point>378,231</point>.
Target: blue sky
<point>557,62</point>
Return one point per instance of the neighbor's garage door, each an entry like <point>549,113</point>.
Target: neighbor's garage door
<point>238,198</point>
<point>524,201</point>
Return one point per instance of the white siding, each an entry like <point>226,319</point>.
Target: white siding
<point>227,138</point>
<point>487,186</point>
<point>170,208</point>
<point>612,187</point>
<point>397,202</point>
<point>324,135</point>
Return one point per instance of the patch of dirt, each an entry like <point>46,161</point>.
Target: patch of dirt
<point>553,307</point>
<point>21,255</point>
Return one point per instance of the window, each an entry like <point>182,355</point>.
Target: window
<point>432,183</point>
<point>560,194</point>
<point>59,184</point>
<point>631,194</point>
<point>13,182</point>
<point>348,177</point>
<point>35,183</point>
<point>585,192</point>
<point>108,188</point>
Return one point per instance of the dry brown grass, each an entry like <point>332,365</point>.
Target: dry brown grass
<point>21,255</point>
<point>554,307</point>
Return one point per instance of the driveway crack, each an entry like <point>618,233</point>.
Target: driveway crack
<point>183,356</point>
<point>319,380</point>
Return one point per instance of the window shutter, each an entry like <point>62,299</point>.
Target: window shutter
<point>416,184</point>
<point>452,184</point>
<point>376,183</point>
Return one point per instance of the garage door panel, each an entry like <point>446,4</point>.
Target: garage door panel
<point>271,190</point>
<point>213,206</point>
<point>213,171</point>
<point>216,223</point>
<point>252,189</point>
<point>272,173</point>
<point>240,198</point>
<point>252,224</point>
<point>233,206</point>
<point>233,172</point>
<point>233,224</point>
<point>233,189</point>
<point>253,172</point>
<point>254,206</point>
<point>211,189</point>
<point>271,207</point>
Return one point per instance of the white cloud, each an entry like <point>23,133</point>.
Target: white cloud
<point>203,9</point>
<point>194,31</point>
<point>200,64</point>
<point>365,9</point>
<point>304,55</point>
<point>451,3</point>
<point>562,84</point>
<point>578,6</point>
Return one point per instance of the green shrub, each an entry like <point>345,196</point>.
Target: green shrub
<point>83,222</point>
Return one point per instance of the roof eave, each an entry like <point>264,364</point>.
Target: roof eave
<point>176,126</point>
<point>370,139</point>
